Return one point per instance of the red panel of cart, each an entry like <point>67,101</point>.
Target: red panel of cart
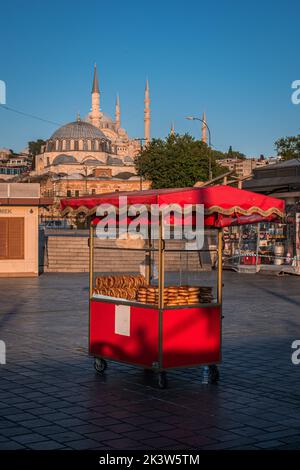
<point>176,337</point>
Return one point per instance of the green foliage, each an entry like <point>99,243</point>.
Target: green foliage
<point>178,161</point>
<point>288,147</point>
<point>234,154</point>
<point>35,147</point>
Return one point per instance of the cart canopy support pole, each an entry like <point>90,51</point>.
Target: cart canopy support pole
<point>161,267</point>
<point>91,264</point>
<point>161,284</point>
<point>148,273</point>
<point>220,267</point>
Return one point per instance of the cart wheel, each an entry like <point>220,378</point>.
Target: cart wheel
<point>162,380</point>
<point>100,365</point>
<point>214,374</point>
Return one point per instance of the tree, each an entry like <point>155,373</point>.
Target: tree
<point>288,147</point>
<point>234,154</point>
<point>35,147</point>
<point>178,161</point>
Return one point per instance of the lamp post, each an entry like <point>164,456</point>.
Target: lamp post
<point>193,118</point>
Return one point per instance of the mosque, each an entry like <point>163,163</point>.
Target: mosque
<point>96,146</point>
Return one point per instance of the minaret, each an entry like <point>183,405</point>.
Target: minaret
<point>147,113</point>
<point>204,128</point>
<point>95,113</point>
<point>172,130</point>
<point>118,113</point>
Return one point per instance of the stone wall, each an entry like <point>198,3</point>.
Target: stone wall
<point>71,254</point>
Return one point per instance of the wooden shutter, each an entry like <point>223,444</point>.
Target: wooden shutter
<point>4,237</point>
<point>16,238</point>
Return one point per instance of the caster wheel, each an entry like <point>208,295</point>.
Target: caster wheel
<point>213,374</point>
<point>100,365</point>
<point>162,380</point>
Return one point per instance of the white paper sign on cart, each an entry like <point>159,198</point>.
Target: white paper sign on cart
<point>122,320</point>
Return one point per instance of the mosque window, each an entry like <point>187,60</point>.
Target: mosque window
<point>67,145</point>
<point>76,145</point>
<point>76,193</point>
<point>85,145</point>
<point>69,193</point>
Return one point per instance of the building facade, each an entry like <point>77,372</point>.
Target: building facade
<point>77,186</point>
<point>245,167</point>
<point>13,165</point>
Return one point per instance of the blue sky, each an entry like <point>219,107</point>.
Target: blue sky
<point>234,60</point>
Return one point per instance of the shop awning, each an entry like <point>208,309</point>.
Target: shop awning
<point>223,205</point>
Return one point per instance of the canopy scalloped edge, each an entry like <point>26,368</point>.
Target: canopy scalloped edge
<point>240,210</point>
<point>211,210</point>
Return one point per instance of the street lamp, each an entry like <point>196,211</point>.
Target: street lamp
<point>193,118</point>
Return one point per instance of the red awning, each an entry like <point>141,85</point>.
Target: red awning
<point>223,205</point>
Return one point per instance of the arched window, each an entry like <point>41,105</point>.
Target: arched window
<point>67,145</point>
<point>76,145</point>
<point>85,145</point>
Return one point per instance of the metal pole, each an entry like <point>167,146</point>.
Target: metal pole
<point>192,118</point>
<point>220,267</point>
<point>257,247</point>
<point>148,256</point>
<point>91,259</point>
<point>161,283</point>
<point>161,273</point>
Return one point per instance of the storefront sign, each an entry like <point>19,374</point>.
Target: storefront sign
<point>5,211</point>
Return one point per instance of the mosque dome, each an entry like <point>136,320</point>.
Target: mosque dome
<point>78,136</point>
<point>78,130</point>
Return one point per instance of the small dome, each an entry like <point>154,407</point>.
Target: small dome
<point>91,161</point>
<point>106,118</point>
<point>124,175</point>
<point>114,160</point>
<point>78,130</point>
<point>60,159</point>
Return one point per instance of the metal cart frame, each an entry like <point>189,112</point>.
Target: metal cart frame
<point>210,372</point>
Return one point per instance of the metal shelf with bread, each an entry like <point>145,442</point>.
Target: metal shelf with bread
<point>154,302</point>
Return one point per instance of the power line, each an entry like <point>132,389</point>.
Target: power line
<point>30,115</point>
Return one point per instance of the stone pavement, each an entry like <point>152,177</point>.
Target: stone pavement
<point>51,398</point>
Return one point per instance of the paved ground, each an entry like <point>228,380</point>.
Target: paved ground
<point>50,397</point>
